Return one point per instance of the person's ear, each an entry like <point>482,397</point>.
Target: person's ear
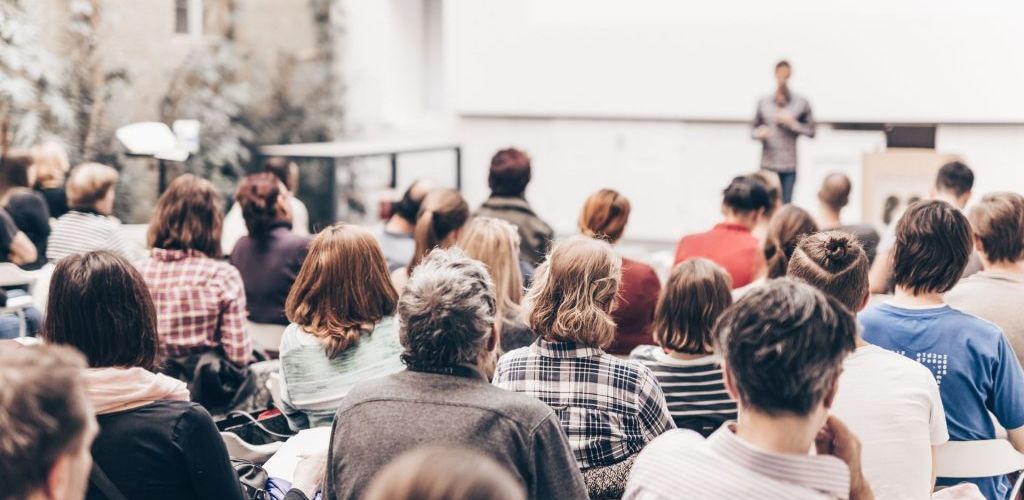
<point>58,480</point>
<point>730,385</point>
<point>977,244</point>
<point>864,301</point>
<point>830,396</point>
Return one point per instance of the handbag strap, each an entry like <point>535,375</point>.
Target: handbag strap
<point>103,483</point>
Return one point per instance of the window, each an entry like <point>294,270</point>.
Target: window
<point>188,17</point>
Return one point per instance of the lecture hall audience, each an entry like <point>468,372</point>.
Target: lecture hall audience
<point>200,300</point>
<point>615,406</point>
<point>89,223</point>
<point>899,442</point>
<point>396,235</point>
<point>46,423</point>
<point>730,243</point>
<point>52,167</point>
<point>343,330</point>
<point>443,396</point>
<point>495,243</point>
<point>287,173</point>
<point>509,175</point>
<point>269,257</point>
<point>684,360</point>
<point>25,205</point>
<point>997,292</point>
<point>604,216</point>
<point>443,212</point>
<point>783,346</point>
<point>971,359</point>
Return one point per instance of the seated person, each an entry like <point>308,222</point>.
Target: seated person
<point>25,205</point>
<point>153,442</point>
<point>270,256</point>
<point>447,320</point>
<point>890,402</point>
<point>833,196</point>
<point>442,215</point>
<point>396,236</point>
<point>604,216</point>
<point>971,359</point>
<point>495,243</point>
<point>684,361</point>
<point>343,330</point>
<point>997,292</point>
<point>46,423</point>
<point>444,473</point>
<point>730,244</point>
<point>783,346</point>
<point>200,301</point>
<point>89,225</point>
<point>569,308</point>
<point>508,177</point>
<point>16,248</point>
<point>787,226</point>
<point>52,165</point>
<point>287,173</point>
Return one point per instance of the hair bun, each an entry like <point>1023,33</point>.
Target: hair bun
<point>837,248</point>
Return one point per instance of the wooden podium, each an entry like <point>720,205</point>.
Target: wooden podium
<point>897,176</point>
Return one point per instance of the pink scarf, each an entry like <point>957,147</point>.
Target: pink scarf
<point>118,389</point>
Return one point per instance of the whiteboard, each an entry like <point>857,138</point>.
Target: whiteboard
<point>912,61</point>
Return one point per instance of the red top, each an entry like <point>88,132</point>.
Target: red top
<point>634,314</point>
<point>731,246</point>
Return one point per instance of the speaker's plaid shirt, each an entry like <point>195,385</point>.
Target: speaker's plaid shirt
<point>609,407</point>
<point>200,304</point>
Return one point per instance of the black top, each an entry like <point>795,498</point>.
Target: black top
<point>56,200</point>
<point>164,450</point>
<point>269,265</point>
<point>7,233</point>
<point>32,216</point>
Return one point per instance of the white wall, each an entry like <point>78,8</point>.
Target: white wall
<point>673,171</point>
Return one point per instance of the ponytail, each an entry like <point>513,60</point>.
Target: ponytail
<point>442,212</point>
<point>424,236</point>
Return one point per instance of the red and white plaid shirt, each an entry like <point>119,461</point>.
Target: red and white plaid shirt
<point>200,304</point>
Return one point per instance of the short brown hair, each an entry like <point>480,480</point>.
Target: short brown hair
<point>573,292</point>
<point>835,191</point>
<point>99,304</point>
<point>510,173</point>
<point>188,216</point>
<point>933,246</point>
<point>998,223</point>
<point>696,294</point>
<point>44,414</point>
<point>441,213</point>
<point>257,196</point>
<point>443,473</point>
<point>835,263</point>
<point>89,183</point>
<point>604,215</point>
<point>785,229</point>
<point>343,288</point>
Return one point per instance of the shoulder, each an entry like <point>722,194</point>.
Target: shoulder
<point>644,353</point>
<point>629,368</point>
<point>983,327</point>
<point>669,450</point>
<point>638,268</point>
<point>878,360</point>
<point>514,356</point>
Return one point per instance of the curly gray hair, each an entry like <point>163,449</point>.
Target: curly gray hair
<point>447,310</point>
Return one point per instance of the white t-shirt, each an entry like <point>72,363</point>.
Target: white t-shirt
<point>893,405</point>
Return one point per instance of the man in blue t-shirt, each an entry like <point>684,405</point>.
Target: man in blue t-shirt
<point>971,359</point>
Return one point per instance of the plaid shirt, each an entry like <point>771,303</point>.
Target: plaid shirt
<point>200,304</point>
<point>609,407</point>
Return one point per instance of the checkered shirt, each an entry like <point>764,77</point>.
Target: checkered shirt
<point>200,304</point>
<point>609,407</point>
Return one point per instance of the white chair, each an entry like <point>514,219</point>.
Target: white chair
<point>265,336</point>
<point>255,453</point>
<point>274,386</point>
<point>12,275</point>
<point>987,458</point>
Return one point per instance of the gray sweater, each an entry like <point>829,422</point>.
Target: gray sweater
<point>380,420</point>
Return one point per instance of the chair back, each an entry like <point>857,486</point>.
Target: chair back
<point>12,275</point>
<point>265,337</point>
<point>985,458</point>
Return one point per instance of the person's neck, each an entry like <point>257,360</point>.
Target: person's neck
<point>685,356</point>
<point>747,222</point>
<point>948,197</point>
<point>905,297</point>
<point>786,434</point>
<point>828,218</point>
<point>398,225</point>
<point>1003,266</point>
<point>860,342</point>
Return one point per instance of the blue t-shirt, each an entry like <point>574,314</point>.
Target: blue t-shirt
<point>973,363</point>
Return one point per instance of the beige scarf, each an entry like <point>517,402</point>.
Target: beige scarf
<point>119,389</point>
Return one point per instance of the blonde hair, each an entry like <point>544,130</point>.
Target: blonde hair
<point>90,183</point>
<point>342,289</point>
<point>495,243</point>
<point>51,161</point>
<point>573,293</point>
<point>442,212</point>
<point>604,215</point>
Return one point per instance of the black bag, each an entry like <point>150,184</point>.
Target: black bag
<point>253,479</point>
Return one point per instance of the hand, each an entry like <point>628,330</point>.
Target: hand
<point>836,439</point>
<point>785,118</point>
<point>762,132</point>
<point>309,474</point>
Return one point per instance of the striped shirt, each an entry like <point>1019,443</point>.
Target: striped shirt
<point>314,385</point>
<point>609,408</point>
<point>682,464</point>
<point>79,232</point>
<point>694,388</point>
